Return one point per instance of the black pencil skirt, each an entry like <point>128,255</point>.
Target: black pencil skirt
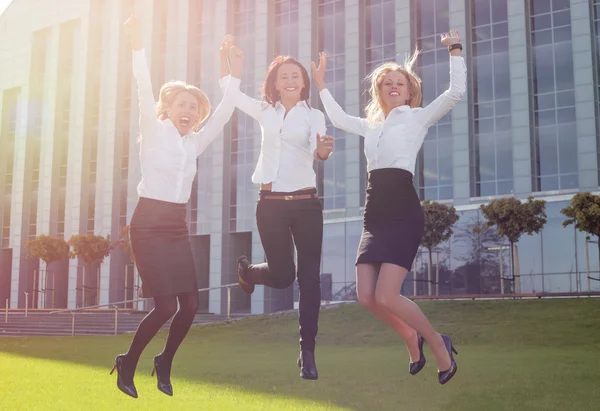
<point>393,222</point>
<point>161,248</point>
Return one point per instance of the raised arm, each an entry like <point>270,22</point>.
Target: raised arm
<point>148,120</point>
<point>247,104</point>
<point>336,114</point>
<point>231,81</point>
<point>439,107</point>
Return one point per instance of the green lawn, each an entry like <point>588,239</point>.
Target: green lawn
<point>514,355</point>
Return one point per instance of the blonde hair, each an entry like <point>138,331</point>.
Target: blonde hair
<point>375,106</point>
<point>168,93</point>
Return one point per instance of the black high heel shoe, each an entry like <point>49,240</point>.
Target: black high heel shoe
<point>445,376</point>
<point>415,367</point>
<point>163,376</point>
<point>127,389</point>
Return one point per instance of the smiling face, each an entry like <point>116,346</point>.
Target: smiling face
<point>184,112</point>
<point>394,89</point>
<point>289,82</point>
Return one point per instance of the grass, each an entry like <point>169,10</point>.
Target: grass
<point>514,355</point>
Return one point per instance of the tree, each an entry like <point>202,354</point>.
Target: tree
<point>90,248</point>
<point>514,218</point>
<point>439,219</point>
<point>47,248</point>
<point>124,242</point>
<point>584,212</point>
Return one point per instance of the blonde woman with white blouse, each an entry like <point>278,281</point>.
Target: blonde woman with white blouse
<point>170,142</point>
<point>394,131</point>
<point>288,213</point>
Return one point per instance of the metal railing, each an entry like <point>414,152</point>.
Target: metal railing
<point>116,305</point>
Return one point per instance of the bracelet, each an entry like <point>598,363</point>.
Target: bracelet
<point>455,46</point>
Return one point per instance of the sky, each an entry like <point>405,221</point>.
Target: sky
<point>4,4</point>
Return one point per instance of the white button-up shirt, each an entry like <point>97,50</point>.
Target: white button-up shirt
<point>288,142</point>
<point>168,159</point>
<point>395,141</point>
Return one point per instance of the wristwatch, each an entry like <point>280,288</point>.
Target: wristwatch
<point>455,46</point>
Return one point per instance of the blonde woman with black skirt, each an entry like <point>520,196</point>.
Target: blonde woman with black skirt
<point>394,131</point>
<point>169,145</point>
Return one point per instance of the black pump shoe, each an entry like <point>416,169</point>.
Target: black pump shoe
<point>445,376</point>
<point>415,367</point>
<point>163,376</point>
<point>128,389</point>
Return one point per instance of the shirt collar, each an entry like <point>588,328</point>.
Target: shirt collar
<point>302,103</point>
<point>399,109</point>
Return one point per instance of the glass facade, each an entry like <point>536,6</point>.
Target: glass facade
<point>243,127</point>
<point>491,143</point>
<point>36,107</point>
<point>8,131</point>
<point>63,118</point>
<point>596,50</point>
<point>554,142</point>
<point>194,76</point>
<point>433,176</point>
<point>286,28</point>
<point>332,40</point>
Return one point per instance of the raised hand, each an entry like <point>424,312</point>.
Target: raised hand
<point>450,38</point>
<point>319,72</point>
<point>236,57</point>
<point>324,146</point>
<point>132,28</point>
<point>227,42</point>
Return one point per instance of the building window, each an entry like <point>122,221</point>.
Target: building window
<point>596,17</point>
<point>491,141</point>
<point>554,139</point>
<point>63,113</point>
<point>286,28</point>
<point>434,164</point>
<point>242,193</point>
<point>380,33</point>
<point>36,112</point>
<point>8,131</point>
<point>331,39</point>
<point>194,77</point>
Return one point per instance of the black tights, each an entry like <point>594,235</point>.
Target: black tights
<point>165,306</point>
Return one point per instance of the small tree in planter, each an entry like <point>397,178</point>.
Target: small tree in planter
<point>439,220</point>
<point>584,212</point>
<point>91,249</point>
<point>514,218</point>
<point>48,249</point>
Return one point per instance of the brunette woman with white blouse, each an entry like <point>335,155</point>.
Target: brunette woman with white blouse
<point>394,131</point>
<point>288,212</point>
<point>170,142</point>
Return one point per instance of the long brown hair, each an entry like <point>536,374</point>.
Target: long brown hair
<point>268,91</point>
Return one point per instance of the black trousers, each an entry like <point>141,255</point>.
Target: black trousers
<point>283,224</point>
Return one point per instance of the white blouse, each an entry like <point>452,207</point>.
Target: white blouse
<point>288,141</point>
<point>395,141</point>
<point>168,159</point>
